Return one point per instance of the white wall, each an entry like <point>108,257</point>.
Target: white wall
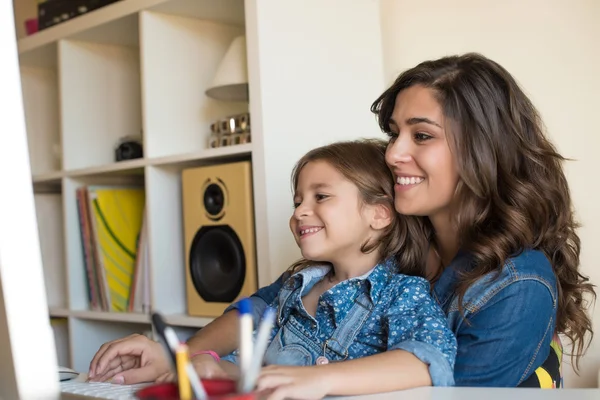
<point>314,67</point>
<point>550,47</point>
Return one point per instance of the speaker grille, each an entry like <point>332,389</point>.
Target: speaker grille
<point>217,263</point>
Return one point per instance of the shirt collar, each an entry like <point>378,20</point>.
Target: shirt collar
<point>376,278</point>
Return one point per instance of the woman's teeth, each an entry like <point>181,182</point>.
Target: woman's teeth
<point>413,180</point>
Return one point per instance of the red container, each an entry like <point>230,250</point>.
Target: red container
<point>217,389</point>
<point>31,26</point>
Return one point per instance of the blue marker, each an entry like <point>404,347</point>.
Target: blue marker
<point>246,327</point>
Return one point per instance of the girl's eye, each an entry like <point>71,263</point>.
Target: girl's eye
<point>321,197</point>
<point>422,137</point>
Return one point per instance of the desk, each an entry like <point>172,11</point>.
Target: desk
<point>455,393</point>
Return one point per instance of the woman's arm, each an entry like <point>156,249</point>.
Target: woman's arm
<point>507,338</point>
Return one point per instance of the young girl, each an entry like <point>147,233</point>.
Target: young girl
<point>346,314</point>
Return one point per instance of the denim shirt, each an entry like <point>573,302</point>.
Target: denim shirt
<point>511,318</point>
<point>379,311</point>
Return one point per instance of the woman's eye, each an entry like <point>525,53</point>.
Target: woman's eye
<point>296,204</point>
<point>392,135</point>
<point>421,137</point>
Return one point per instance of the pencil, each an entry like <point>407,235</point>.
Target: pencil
<point>185,389</point>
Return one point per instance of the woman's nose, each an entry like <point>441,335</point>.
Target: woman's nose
<point>399,151</point>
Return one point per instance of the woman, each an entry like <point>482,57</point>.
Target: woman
<point>473,165</point>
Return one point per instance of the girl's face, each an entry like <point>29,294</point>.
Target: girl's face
<point>419,155</point>
<point>330,221</point>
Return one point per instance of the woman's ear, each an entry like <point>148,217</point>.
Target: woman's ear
<point>381,216</point>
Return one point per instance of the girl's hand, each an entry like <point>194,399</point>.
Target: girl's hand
<point>206,367</point>
<point>307,383</point>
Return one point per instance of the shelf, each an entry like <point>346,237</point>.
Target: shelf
<point>57,312</point>
<point>40,93</point>
<point>136,166</point>
<point>136,318</point>
<point>186,320</point>
<point>208,155</point>
<point>128,166</point>
<point>100,100</point>
<point>108,23</point>
<point>179,57</point>
<point>112,316</point>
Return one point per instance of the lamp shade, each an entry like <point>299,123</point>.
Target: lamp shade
<point>231,80</point>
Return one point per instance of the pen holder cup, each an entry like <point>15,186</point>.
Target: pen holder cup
<point>216,389</point>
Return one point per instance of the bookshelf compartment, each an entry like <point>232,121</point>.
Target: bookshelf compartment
<point>87,336</point>
<point>107,256</point>
<point>49,211</point>
<point>179,59</point>
<point>60,329</point>
<point>165,239</point>
<point>100,100</point>
<point>40,101</point>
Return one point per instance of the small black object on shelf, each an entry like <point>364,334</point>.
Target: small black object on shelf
<point>129,149</point>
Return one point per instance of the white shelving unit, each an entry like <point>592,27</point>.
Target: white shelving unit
<point>143,66</point>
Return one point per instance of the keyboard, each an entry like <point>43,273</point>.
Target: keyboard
<point>78,389</point>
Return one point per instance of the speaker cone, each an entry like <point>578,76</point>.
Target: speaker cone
<point>214,199</point>
<point>217,263</point>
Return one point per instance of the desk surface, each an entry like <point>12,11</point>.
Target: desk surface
<point>455,393</point>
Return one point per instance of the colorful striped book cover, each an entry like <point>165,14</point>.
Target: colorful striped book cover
<point>118,215</point>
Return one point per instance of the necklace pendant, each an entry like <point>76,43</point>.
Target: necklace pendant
<point>321,360</point>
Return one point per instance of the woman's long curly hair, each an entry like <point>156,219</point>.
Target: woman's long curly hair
<point>512,192</point>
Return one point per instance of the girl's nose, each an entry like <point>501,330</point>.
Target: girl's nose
<point>302,210</point>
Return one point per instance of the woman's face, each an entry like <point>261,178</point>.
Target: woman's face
<point>419,155</point>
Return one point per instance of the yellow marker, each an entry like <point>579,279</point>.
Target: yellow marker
<point>185,390</point>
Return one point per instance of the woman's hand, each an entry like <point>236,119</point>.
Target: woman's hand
<point>279,382</point>
<point>129,360</point>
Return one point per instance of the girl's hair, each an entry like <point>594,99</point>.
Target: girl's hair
<point>362,162</point>
<point>513,193</point>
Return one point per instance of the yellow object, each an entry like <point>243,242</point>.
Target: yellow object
<point>185,390</point>
<point>117,214</point>
<point>544,378</point>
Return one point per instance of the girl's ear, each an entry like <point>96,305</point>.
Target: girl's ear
<point>381,216</point>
